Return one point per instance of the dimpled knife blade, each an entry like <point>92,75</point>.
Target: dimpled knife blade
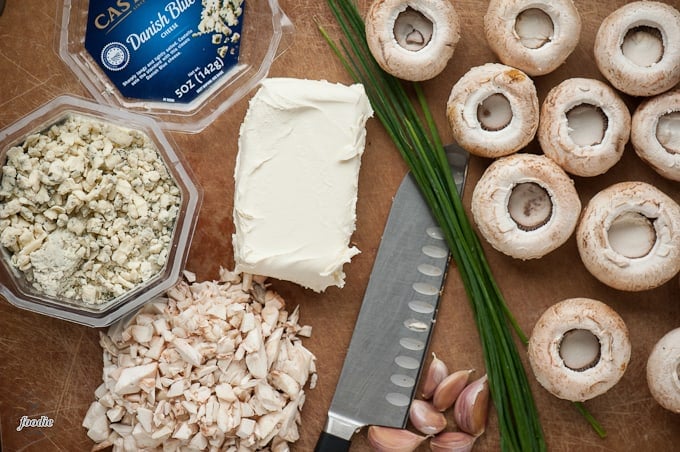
<point>387,350</point>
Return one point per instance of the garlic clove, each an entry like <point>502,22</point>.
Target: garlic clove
<point>436,372</point>
<point>472,407</point>
<point>449,389</point>
<point>425,418</point>
<point>452,442</point>
<point>387,439</point>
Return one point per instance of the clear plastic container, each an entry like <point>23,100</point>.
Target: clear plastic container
<point>13,283</point>
<point>266,32</point>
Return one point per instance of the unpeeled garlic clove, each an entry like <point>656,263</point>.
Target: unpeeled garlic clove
<point>436,372</point>
<point>425,418</point>
<point>452,442</point>
<point>472,407</point>
<point>387,439</point>
<point>449,389</point>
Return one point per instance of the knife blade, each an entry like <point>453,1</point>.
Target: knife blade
<point>393,329</point>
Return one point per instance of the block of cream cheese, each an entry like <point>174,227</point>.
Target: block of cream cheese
<point>296,180</point>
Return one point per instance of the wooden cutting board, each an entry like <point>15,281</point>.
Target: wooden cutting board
<point>50,367</point>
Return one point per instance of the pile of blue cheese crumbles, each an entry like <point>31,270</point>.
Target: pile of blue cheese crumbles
<point>87,209</point>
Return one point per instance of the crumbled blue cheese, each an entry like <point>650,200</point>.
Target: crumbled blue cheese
<point>219,17</point>
<point>87,209</point>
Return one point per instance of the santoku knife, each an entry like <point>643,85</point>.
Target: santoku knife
<point>387,350</point>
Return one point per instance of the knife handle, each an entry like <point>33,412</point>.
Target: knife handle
<point>331,443</point>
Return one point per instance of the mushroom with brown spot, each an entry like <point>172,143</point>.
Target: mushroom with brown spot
<point>536,37</point>
<point>663,371</point>
<point>584,126</point>
<point>655,133</point>
<point>493,110</point>
<point>637,48</point>
<point>629,236</point>
<point>525,205</point>
<point>412,39</point>
<point>579,349</point>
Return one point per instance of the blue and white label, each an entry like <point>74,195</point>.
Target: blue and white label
<point>169,51</point>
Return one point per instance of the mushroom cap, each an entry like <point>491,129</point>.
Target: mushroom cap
<point>475,86</point>
<point>548,365</point>
<point>425,63</point>
<point>621,72</point>
<point>663,371</point>
<point>502,37</point>
<point>645,137</point>
<point>491,197</point>
<point>554,128</point>
<point>614,269</point>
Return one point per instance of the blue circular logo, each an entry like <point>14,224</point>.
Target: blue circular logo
<point>115,56</point>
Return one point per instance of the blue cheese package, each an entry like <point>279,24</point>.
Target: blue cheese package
<point>164,51</point>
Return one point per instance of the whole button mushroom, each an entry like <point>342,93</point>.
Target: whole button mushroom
<point>579,349</point>
<point>637,48</point>
<point>629,236</point>
<point>655,133</point>
<point>493,110</point>
<point>534,36</point>
<point>525,205</point>
<point>412,39</point>
<point>663,371</point>
<point>584,126</point>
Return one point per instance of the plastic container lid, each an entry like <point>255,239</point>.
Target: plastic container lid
<point>183,62</point>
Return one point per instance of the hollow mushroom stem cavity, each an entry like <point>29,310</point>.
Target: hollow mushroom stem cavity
<point>579,349</point>
<point>412,39</point>
<point>663,371</point>
<point>412,30</point>
<point>494,113</point>
<point>637,48</point>
<point>587,124</point>
<point>525,205</point>
<point>529,205</point>
<point>655,133</point>
<point>643,46</point>
<point>536,37</point>
<point>629,236</point>
<point>534,28</point>
<point>493,110</point>
<point>632,235</point>
<point>584,126</point>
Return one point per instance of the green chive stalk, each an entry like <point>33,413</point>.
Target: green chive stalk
<point>412,129</point>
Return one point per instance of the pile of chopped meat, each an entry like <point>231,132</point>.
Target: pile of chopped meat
<point>215,365</point>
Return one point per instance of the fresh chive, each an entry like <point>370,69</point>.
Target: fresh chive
<point>411,127</point>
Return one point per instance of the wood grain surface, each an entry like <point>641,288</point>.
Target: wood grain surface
<point>51,367</point>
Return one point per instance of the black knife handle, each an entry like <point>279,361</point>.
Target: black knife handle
<point>331,443</point>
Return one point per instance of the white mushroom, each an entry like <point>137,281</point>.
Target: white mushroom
<point>655,133</point>
<point>525,205</point>
<point>493,110</point>
<point>412,39</point>
<point>637,48</point>
<point>579,349</point>
<point>629,236</point>
<point>584,126</point>
<point>534,36</point>
<point>663,371</point>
